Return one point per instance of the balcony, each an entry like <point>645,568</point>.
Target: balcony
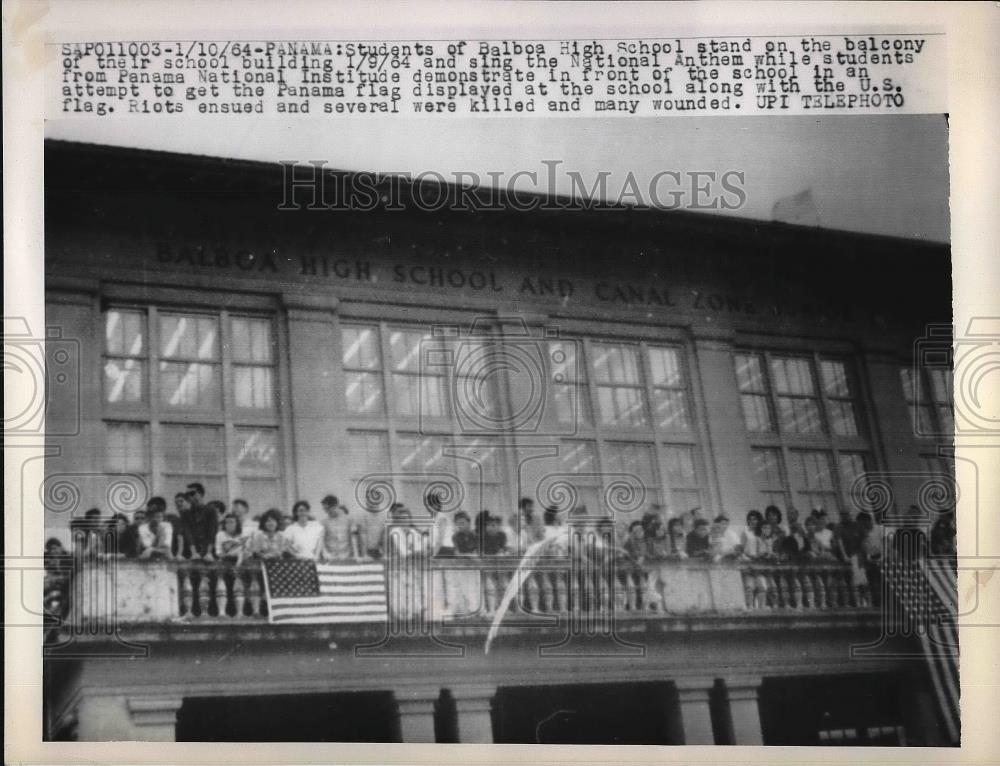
<point>464,593</point>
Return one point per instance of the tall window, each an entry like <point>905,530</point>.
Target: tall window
<point>621,400</point>
<point>802,415</point>
<point>190,396</point>
<point>928,392</point>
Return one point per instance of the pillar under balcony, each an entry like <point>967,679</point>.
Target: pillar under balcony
<point>416,713</point>
<point>108,718</point>
<point>742,694</point>
<point>473,706</point>
<point>695,724</point>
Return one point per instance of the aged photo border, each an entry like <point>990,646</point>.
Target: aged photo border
<point>974,110</point>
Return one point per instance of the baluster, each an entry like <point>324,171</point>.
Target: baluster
<point>784,589</point>
<point>844,587</point>
<point>530,591</point>
<point>221,600</point>
<point>561,591</point>
<point>187,592</point>
<point>830,582</point>
<point>238,598</point>
<point>253,595</point>
<point>749,580</point>
<point>820,589</point>
<point>489,591</point>
<point>795,578</point>
<point>808,591</point>
<point>546,591</point>
<point>203,594</point>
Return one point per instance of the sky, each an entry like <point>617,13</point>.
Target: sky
<point>885,174</point>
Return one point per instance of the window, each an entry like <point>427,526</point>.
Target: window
<point>568,381</point>
<point>670,403</point>
<point>638,460</point>
<point>795,392</point>
<point>207,413</point>
<point>814,482</point>
<point>682,477</point>
<point>753,393</point>
<point>853,466</point>
<point>126,450</point>
<point>125,357</point>
<point>190,370</point>
<point>770,475</point>
<point>839,402</point>
<point>579,467</point>
<point>362,370</point>
<point>928,392</point>
<point>418,389</point>
<point>423,465</point>
<point>621,400</point>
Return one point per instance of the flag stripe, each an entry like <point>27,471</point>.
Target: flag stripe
<point>304,592</point>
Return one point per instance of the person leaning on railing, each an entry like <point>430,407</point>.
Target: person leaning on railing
<point>230,544</point>
<point>156,535</point>
<point>268,541</point>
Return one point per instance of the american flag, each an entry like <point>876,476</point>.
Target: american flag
<point>926,592</point>
<point>304,592</point>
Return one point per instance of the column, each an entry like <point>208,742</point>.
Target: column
<point>416,713</point>
<point>118,718</point>
<point>728,450</point>
<point>473,707</point>
<point>315,396</point>
<point>742,694</point>
<point>695,711</point>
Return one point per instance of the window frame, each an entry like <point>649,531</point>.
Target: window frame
<point>156,416</point>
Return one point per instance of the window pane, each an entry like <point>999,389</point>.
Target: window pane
<point>125,332</point>
<point>665,364</point>
<point>423,454</point>
<point>188,337</point>
<point>124,381</point>
<point>361,348</point>
<point>579,457</point>
<point>621,406</point>
<point>417,395</point>
<point>633,458</point>
<point>812,470</point>
<point>834,375</point>
<point>767,468</point>
<point>251,339</point>
<point>364,392</point>
<point>906,378</point>
<point>404,349</point>
<point>570,404</point>
<point>843,418</point>
<point>792,376</point>
<point>941,382</point>
<point>257,452</point>
<point>253,387</point>
<point>852,466</point>
<point>261,494</point>
<point>671,409</point>
<point>799,416</point>
<point>126,448</point>
<point>193,449</point>
<point>480,457</point>
<point>616,364</point>
<point>750,373</point>
<point>756,413</point>
<point>190,385</point>
<point>369,452</point>
<point>680,467</point>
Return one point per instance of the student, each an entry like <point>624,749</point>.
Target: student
<point>203,524</point>
<point>268,541</point>
<point>494,538</point>
<point>821,537</point>
<point>463,540</point>
<point>241,508</point>
<point>305,536</point>
<point>371,530</point>
<point>632,572</point>
<point>724,540</point>
<point>182,539</point>
<point>772,515</point>
<point>156,535</point>
<point>229,541</point>
<point>697,543</point>
<point>752,530</point>
<point>338,532</point>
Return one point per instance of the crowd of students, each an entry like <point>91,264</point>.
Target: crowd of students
<point>207,530</point>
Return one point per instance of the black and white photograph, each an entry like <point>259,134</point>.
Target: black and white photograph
<point>526,427</point>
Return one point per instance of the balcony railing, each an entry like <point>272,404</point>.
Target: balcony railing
<point>120,592</point>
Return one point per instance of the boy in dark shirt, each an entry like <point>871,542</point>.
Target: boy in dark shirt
<point>494,539</point>
<point>698,541</point>
<point>463,538</point>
